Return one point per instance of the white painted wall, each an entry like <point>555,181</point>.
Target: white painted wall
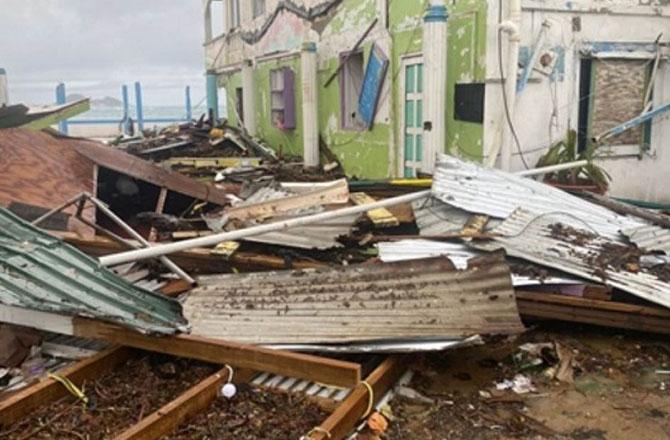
<point>547,109</point>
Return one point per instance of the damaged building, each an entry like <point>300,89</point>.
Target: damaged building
<point>388,85</point>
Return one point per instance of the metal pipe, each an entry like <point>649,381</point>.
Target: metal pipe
<point>139,107</point>
<point>57,209</point>
<point>4,90</point>
<point>212,240</point>
<point>61,98</point>
<point>552,168</point>
<point>133,233</point>
<point>512,28</point>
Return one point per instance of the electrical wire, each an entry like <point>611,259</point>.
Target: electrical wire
<point>504,79</point>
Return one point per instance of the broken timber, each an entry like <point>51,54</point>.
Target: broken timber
<point>538,305</point>
<point>317,369</point>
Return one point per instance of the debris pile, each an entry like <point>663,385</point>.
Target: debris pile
<point>267,259</point>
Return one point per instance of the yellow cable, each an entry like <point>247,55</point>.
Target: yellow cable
<point>371,401</point>
<point>71,387</point>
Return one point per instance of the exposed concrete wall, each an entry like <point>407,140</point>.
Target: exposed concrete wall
<point>549,106</point>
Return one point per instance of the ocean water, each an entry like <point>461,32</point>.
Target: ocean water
<point>116,113</point>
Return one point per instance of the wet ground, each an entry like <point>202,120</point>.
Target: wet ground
<point>612,386</point>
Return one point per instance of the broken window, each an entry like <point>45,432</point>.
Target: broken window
<point>351,83</point>
<point>614,91</point>
<point>259,7</point>
<point>282,98</point>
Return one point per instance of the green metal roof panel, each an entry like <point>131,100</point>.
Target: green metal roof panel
<point>41,272</point>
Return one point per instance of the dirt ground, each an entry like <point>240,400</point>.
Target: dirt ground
<point>253,415</point>
<point>617,391</point>
<point>118,400</point>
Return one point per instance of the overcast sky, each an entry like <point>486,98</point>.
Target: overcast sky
<point>94,46</point>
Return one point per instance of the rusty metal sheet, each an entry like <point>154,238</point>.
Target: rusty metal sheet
<point>496,193</point>
<point>529,236</point>
<point>420,300</point>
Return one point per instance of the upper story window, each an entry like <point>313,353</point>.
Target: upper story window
<point>259,7</point>
<point>235,14</point>
<point>282,98</point>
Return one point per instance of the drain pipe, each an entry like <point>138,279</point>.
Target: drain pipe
<point>512,28</point>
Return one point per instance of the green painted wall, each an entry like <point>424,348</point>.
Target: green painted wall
<point>374,153</point>
<point>466,64</point>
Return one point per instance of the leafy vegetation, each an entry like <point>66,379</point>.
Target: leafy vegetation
<point>565,151</point>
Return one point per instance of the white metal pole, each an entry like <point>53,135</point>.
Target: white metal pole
<point>4,91</point>
<point>310,105</point>
<point>435,83</point>
<point>212,240</point>
<point>552,168</point>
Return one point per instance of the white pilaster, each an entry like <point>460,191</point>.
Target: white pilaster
<point>248,97</point>
<point>435,83</point>
<point>310,105</point>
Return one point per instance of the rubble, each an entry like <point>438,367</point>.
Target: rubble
<point>352,271</point>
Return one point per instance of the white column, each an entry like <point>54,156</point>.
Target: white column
<point>434,83</point>
<point>310,105</point>
<point>4,92</point>
<point>248,97</point>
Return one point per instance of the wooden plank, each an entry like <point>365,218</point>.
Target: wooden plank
<point>160,206</point>
<point>336,193</point>
<point>588,311</point>
<point>132,166</point>
<point>48,390</point>
<point>381,217</point>
<point>302,366</point>
<point>352,409</point>
<point>194,400</point>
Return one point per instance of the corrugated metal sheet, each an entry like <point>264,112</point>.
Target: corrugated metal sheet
<point>498,194</point>
<point>458,253</point>
<point>408,301</point>
<point>40,272</point>
<point>650,238</point>
<point>434,217</point>
<point>404,250</point>
<point>528,236</point>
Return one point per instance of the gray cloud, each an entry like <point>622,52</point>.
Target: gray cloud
<point>94,46</point>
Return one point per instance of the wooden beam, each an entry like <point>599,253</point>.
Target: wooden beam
<point>589,311</point>
<point>302,366</point>
<point>173,414</point>
<point>353,408</point>
<point>22,403</point>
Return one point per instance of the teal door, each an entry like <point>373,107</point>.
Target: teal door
<point>413,119</point>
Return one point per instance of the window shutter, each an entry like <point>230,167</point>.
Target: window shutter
<point>289,99</point>
<point>372,86</point>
